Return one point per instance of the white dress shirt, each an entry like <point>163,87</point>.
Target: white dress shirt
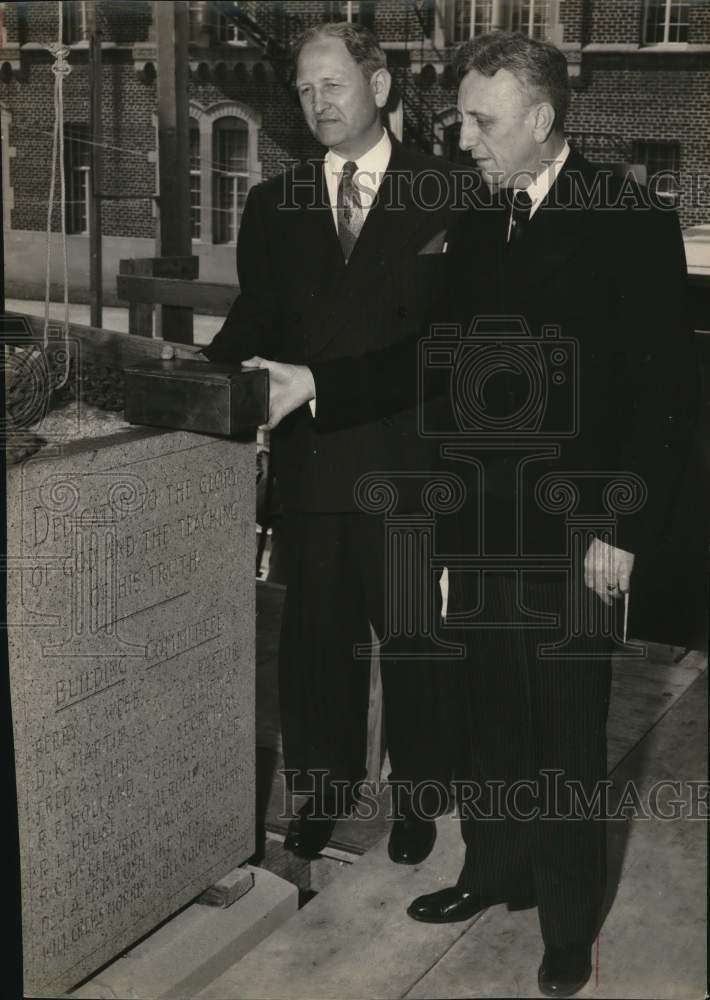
<point>539,187</point>
<point>368,176</point>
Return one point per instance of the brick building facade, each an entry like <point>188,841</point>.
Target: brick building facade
<point>640,72</point>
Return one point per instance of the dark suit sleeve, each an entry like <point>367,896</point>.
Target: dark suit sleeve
<point>252,322</point>
<point>357,390</point>
<point>661,368</point>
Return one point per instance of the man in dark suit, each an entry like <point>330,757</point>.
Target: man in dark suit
<point>581,401</point>
<point>336,257</point>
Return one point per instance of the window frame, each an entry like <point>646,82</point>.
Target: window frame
<point>220,173</point>
<point>472,10</point>
<point>72,171</point>
<point>70,9</point>
<point>641,149</point>
<point>352,11</point>
<point>196,211</point>
<point>668,5</point>
<point>530,28</point>
<point>195,9</point>
<point>346,11</point>
<point>475,7</point>
<point>224,22</point>
<point>206,116</point>
<point>7,153</point>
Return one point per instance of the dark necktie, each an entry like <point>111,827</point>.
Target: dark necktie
<point>519,216</point>
<point>349,210</point>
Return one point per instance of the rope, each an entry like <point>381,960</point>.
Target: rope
<point>60,68</point>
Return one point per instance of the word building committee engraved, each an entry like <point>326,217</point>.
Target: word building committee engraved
<point>131,619</point>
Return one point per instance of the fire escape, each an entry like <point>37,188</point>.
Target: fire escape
<point>419,111</point>
<point>271,27</point>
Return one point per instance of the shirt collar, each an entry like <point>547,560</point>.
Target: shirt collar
<point>373,162</point>
<point>540,185</point>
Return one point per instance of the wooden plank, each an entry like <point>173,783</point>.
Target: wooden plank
<point>199,295</point>
<point>140,315</point>
<point>108,347</point>
<point>161,267</point>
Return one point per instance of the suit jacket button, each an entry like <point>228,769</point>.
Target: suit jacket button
<point>402,312</point>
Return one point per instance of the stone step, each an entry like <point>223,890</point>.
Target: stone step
<point>196,946</point>
<point>354,939</point>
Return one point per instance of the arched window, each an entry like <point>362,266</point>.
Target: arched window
<point>224,164</point>
<point>230,176</point>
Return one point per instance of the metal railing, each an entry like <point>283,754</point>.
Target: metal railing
<point>269,26</point>
<point>418,112</point>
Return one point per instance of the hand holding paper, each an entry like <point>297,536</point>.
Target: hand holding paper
<point>607,570</point>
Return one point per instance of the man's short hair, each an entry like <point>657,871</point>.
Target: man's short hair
<point>358,40</point>
<point>539,67</point>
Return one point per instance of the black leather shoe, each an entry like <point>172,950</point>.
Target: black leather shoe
<point>309,832</point>
<point>564,971</point>
<point>411,840</point>
<point>447,906</point>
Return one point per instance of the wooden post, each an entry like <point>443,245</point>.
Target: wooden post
<point>140,314</point>
<point>174,237</point>
<point>95,224</point>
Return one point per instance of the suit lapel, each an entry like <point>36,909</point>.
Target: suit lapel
<point>388,214</point>
<point>556,229</point>
<point>310,194</point>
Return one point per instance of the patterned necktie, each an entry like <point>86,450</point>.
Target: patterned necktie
<point>519,216</point>
<point>350,215</point>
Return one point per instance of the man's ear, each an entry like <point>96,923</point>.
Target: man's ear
<point>543,121</point>
<point>381,83</point>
